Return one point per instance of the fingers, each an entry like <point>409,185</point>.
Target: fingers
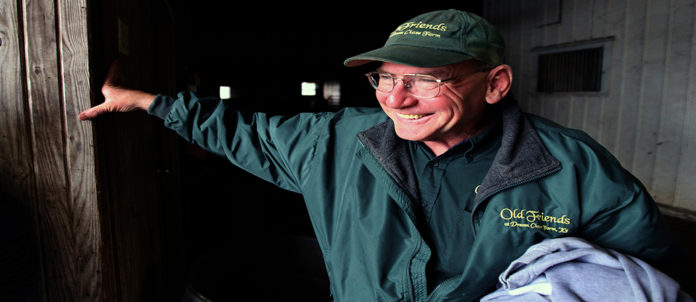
<point>93,112</point>
<point>101,108</point>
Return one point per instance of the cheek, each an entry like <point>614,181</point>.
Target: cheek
<point>450,106</point>
<point>467,105</point>
<point>381,98</point>
<point>382,103</point>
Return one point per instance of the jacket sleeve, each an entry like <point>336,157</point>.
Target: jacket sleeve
<point>275,148</point>
<point>616,210</point>
<point>634,225</point>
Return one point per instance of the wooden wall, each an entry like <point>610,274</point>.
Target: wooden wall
<point>98,200</point>
<point>46,154</point>
<point>644,113</point>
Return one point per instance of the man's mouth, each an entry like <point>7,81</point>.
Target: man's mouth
<point>411,116</point>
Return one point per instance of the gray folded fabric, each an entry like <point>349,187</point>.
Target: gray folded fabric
<point>572,269</point>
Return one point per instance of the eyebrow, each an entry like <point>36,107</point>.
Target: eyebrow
<point>437,73</point>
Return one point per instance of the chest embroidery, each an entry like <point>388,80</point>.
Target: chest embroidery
<point>534,219</point>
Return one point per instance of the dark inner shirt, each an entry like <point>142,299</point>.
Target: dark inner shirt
<point>446,184</point>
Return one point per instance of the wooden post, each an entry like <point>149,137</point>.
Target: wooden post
<point>46,155</point>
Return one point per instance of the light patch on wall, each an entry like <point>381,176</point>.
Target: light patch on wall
<point>309,88</point>
<point>225,92</point>
<point>332,93</point>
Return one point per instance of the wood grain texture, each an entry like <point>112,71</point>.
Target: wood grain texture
<point>109,224</point>
<point>47,82</point>
<point>79,148</point>
<point>686,182</point>
<point>46,123</point>
<point>16,165</point>
<point>15,148</point>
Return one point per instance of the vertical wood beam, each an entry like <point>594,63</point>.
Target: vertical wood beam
<point>74,59</point>
<point>57,79</point>
<point>16,172</point>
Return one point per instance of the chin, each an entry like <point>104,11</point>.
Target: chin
<point>410,136</point>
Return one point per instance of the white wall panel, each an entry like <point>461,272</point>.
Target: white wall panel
<point>645,112</point>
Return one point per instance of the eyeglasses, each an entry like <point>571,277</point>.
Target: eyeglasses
<point>418,85</point>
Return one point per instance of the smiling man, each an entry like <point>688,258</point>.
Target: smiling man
<point>431,196</point>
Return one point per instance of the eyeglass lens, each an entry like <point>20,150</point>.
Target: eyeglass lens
<point>417,85</point>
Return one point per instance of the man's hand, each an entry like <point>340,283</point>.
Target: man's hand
<point>118,99</point>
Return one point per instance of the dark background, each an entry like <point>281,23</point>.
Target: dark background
<point>267,50</point>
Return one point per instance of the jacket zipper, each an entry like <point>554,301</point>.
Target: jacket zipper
<point>433,294</point>
<point>410,286</point>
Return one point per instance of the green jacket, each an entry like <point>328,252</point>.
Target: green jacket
<point>359,186</point>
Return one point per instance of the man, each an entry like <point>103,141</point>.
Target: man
<point>432,200</point>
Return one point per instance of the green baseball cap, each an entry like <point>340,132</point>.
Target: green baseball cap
<point>438,38</point>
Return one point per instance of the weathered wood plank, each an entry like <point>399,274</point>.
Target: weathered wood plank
<point>52,197</point>
<point>80,160</point>
<point>562,113</point>
<point>669,136</point>
<point>64,176</point>
<point>615,27</point>
<point>652,90</point>
<point>631,72</point>
<point>535,40</point>
<point>598,18</point>
<point>685,189</point>
<point>525,21</point>
<point>576,110</point>
<point>554,30</point>
<point>15,149</point>
<point>16,172</point>
<point>513,55</point>
<point>592,116</point>
<point>581,16</point>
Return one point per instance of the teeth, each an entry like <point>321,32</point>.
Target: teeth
<point>410,116</point>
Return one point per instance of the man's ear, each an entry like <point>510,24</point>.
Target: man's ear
<point>499,83</point>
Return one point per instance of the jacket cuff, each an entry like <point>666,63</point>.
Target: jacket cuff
<point>161,106</point>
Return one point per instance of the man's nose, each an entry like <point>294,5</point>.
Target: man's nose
<point>400,97</point>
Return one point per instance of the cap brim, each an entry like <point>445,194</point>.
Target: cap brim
<point>408,55</point>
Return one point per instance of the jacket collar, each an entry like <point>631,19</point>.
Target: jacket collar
<point>522,156</point>
<point>392,153</point>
